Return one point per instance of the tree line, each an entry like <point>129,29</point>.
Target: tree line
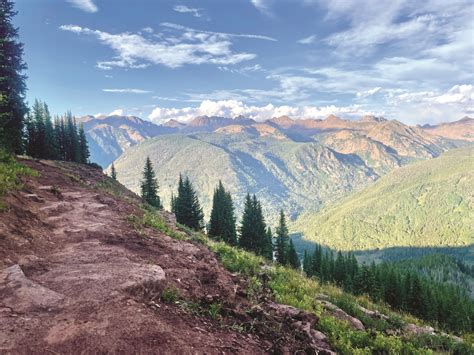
<point>58,140</point>
<point>24,130</point>
<point>404,289</point>
<point>252,234</point>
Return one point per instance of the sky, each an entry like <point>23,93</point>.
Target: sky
<point>157,59</point>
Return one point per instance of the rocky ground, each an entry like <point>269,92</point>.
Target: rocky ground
<point>76,276</point>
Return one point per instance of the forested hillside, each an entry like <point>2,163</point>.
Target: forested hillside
<point>425,204</point>
<point>297,165</point>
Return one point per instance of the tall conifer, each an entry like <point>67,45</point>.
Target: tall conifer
<point>12,82</point>
<point>149,185</point>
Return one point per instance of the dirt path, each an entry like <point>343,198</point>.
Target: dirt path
<point>75,276</point>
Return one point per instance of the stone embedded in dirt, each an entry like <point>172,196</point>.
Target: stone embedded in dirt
<point>34,197</point>
<point>321,297</point>
<point>302,323</point>
<point>338,313</point>
<point>373,314</point>
<point>417,330</point>
<point>20,294</point>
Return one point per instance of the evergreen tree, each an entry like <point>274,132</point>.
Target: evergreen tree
<point>113,172</point>
<point>222,221</point>
<point>30,135</point>
<point>59,135</point>
<point>268,248</point>
<point>307,264</point>
<point>149,185</point>
<point>282,240</point>
<point>51,149</point>
<point>173,203</point>
<point>253,234</point>
<point>12,82</point>
<point>188,210</point>
<point>293,259</point>
<point>38,145</point>
<point>316,261</point>
<point>83,146</point>
<point>71,139</point>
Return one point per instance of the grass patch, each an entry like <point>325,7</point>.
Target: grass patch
<point>10,172</point>
<point>170,295</point>
<point>292,288</point>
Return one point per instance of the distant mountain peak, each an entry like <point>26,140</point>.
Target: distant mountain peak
<point>173,124</point>
<point>371,118</point>
<point>333,118</point>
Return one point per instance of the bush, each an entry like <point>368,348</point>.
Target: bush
<point>10,171</point>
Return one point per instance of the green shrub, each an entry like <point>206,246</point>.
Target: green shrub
<point>170,295</point>
<point>10,171</point>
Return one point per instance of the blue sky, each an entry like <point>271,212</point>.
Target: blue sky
<point>159,59</point>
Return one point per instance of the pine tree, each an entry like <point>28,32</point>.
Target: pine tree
<point>188,210</point>
<point>38,149</point>
<point>51,150</point>
<point>268,248</point>
<point>12,82</point>
<point>59,135</point>
<point>282,240</point>
<point>173,203</point>
<point>253,233</point>
<point>30,135</point>
<point>307,264</point>
<point>149,186</point>
<point>113,172</point>
<point>222,221</point>
<point>83,146</point>
<point>293,259</point>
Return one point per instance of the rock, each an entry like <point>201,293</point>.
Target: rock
<point>20,294</point>
<point>302,323</point>
<point>373,314</point>
<point>417,330</point>
<point>34,197</point>
<point>338,313</point>
<point>321,297</point>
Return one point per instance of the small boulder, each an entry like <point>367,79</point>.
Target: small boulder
<point>20,294</point>
<point>338,313</point>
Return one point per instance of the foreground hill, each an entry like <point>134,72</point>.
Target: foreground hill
<point>425,204</point>
<point>84,268</point>
<point>297,165</point>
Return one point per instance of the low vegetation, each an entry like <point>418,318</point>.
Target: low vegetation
<point>290,287</point>
<point>10,172</point>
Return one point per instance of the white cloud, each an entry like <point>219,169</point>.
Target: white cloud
<point>184,46</point>
<point>117,112</point>
<point>308,40</point>
<point>367,93</point>
<point>127,91</point>
<point>263,6</point>
<point>185,9</point>
<point>84,5</point>
<point>233,108</point>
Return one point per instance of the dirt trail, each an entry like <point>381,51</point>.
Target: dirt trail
<point>76,277</point>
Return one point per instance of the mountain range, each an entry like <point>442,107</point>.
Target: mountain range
<point>110,136</point>
<point>297,165</point>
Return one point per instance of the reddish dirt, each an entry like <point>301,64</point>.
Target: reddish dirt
<point>77,277</point>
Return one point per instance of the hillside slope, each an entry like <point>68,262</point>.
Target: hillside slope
<point>81,270</point>
<point>428,203</point>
